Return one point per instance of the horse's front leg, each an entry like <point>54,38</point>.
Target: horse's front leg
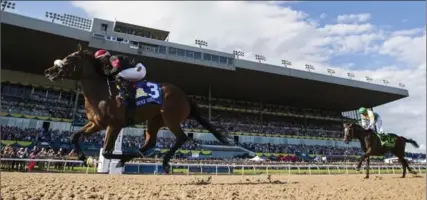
<point>86,130</point>
<point>361,159</point>
<point>367,167</point>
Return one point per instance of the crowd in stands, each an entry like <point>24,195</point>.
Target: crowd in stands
<point>24,100</point>
<point>38,102</point>
<point>33,153</point>
<point>135,142</point>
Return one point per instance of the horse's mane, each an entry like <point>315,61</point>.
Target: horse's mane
<point>99,68</point>
<point>356,125</point>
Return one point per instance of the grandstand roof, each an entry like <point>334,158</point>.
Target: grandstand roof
<point>32,51</point>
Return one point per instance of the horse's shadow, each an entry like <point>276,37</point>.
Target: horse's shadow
<point>208,181</point>
<point>260,183</point>
<point>412,176</point>
<point>243,183</point>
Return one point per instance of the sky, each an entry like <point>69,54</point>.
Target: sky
<point>383,40</point>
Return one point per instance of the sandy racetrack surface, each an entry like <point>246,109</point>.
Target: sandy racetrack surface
<point>150,187</point>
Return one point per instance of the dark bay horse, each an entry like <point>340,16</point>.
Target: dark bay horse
<point>103,112</point>
<point>371,145</point>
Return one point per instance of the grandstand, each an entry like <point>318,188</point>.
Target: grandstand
<point>280,113</point>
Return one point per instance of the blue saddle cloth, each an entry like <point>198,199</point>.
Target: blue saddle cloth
<point>147,93</point>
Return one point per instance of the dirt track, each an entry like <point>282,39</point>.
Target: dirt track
<point>148,187</point>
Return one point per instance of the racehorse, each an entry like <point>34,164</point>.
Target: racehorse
<point>103,113</point>
<point>371,145</point>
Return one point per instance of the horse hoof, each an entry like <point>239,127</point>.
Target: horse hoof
<point>147,153</point>
<point>366,177</point>
<point>166,168</point>
<point>84,163</point>
<point>120,164</point>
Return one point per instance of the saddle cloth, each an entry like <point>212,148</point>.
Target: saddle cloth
<point>147,93</point>
<point>387,140</point>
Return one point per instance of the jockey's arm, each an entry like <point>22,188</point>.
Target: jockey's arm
<point>363,120</point>
<point>118,63</point>
<point>371,119</point>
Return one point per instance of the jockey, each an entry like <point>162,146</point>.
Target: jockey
<point>126,73</point>
<point>373,118</point>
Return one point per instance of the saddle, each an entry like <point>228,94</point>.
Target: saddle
<point>386,139</point>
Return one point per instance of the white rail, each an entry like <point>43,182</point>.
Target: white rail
<point>284,168</point>
<point>288,167</point>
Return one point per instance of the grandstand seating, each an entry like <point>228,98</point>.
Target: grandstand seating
<point>238,117</point>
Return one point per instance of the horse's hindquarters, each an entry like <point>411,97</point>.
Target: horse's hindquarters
<point>146,112</point>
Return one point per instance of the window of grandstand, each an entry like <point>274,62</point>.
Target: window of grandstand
<point>134,45</point>
<point>104,27</point>
<point>223,60</point>
<point>141,31</point>
<point>197,55</point>
<point>172,51</point>
<point>99,36</point>
<point>181,52</point>
<point>215,58</point>
<point>190,54</point>
<point>162,50</point>
<point>207,57</point>
<point>230,61</point>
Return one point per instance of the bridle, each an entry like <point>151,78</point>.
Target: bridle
<point>69,60</point>
<point>76,59</point>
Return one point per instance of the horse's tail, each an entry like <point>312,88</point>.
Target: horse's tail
<point>195,113</point>
<point>411,141</point>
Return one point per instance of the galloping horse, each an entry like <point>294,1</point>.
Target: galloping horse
<point>103,112</point>
<point>371,145</point>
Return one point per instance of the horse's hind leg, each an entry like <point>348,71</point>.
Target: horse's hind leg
<point>153,127</point>
<point>111,134</point>
<point>407,166</point>
<point>404,164</point>
<point>181,138</point>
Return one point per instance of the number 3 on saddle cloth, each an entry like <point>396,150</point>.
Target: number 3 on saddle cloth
<point>146,93</point>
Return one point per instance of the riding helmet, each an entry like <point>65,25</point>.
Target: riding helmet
<point>362,110</point>
<point>101,53</point>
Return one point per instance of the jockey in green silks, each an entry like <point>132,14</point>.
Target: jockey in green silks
<point>373,118</point>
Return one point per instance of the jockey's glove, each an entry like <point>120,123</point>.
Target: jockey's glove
<point>114,71</point>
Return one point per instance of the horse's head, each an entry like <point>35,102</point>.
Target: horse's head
<point>77,65</point>
<point>349,131</point>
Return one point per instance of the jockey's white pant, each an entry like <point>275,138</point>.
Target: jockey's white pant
<point>379,125</point>
<point>136,73</point>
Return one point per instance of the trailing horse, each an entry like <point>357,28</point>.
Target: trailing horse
<point>372,146</point>
<point>158,104</point>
